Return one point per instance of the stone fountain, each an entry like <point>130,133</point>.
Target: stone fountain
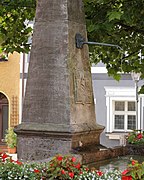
<point>58,110</point>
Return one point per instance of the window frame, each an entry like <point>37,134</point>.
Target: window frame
<point>118,94</point>
<point>125,113</point>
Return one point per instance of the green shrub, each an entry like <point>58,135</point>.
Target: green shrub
<point>11,138</point>
<point>136,137</point>
<point>59,168</point>
<point>135,170</point>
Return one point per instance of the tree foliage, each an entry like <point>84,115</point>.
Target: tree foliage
<point>15,16</point>
<point>117,22</point>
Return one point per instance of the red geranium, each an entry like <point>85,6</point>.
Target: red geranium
<point>11,160</point>
<point>78,166</point>
<point>126,178</point>
<point>59,158</point>
<point>125,172</point>
<point>71,174</point>
<point>86,168</point>
<point>36,171</point>
<point>18,162</point>
<point>99,173</point>
<point>4,156</point>
<point>139,136</point>
<point>63,171</point>
<point>133,162</point>
<point>73,159</point>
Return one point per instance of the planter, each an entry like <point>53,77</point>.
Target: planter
<point>11,150</point>
<point>11,140</point>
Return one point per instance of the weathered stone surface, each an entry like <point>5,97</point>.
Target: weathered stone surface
<point>35,145</point>
<point>58,110</point>
<point>99,153</point>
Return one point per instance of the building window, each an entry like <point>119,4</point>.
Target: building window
<point>121,109</point>
<point>124,115</point>
<point>121,112</point>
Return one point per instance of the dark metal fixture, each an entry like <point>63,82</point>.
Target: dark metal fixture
<point>80,41</point>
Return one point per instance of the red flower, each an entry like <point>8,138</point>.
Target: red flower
<point>59,158</point>
<point>125,172</point>
<point>36,171</point>
<point>139,136</point>
<point>4,156</point>
<point>73,159</point>
<point>133,162</point>
<point>71,174</point>
<point>63,171</point>
<point>86,169</point>
<point>126,178</point>
<point>99,173</point>
<point>78,166</point>
<point>18,162</point>
<point>11,160</point>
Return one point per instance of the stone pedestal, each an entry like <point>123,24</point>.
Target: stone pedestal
<point>58,110</point>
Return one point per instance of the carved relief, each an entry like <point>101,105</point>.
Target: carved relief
<point>82,88</point>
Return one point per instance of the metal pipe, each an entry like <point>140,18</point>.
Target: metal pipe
<point>102,44</point>
<point>80,41</point>
<point>136,87</point>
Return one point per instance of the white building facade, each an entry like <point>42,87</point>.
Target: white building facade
<point>116,106</point>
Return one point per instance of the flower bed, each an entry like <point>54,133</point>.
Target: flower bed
<point>136,137</point>
<point>62,168</point>
<point>135,170</point>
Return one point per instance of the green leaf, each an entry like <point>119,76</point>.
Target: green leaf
<point>114,15</point>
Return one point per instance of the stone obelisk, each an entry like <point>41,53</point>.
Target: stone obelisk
<point>58,111</point>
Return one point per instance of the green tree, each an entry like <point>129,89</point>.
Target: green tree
<point>117,22</point>
<point>15,16</point>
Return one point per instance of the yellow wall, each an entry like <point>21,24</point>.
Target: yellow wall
<point>9,85</point>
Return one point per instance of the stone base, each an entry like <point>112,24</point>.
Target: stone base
<point>97,153</point>
<point>36,143</point>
